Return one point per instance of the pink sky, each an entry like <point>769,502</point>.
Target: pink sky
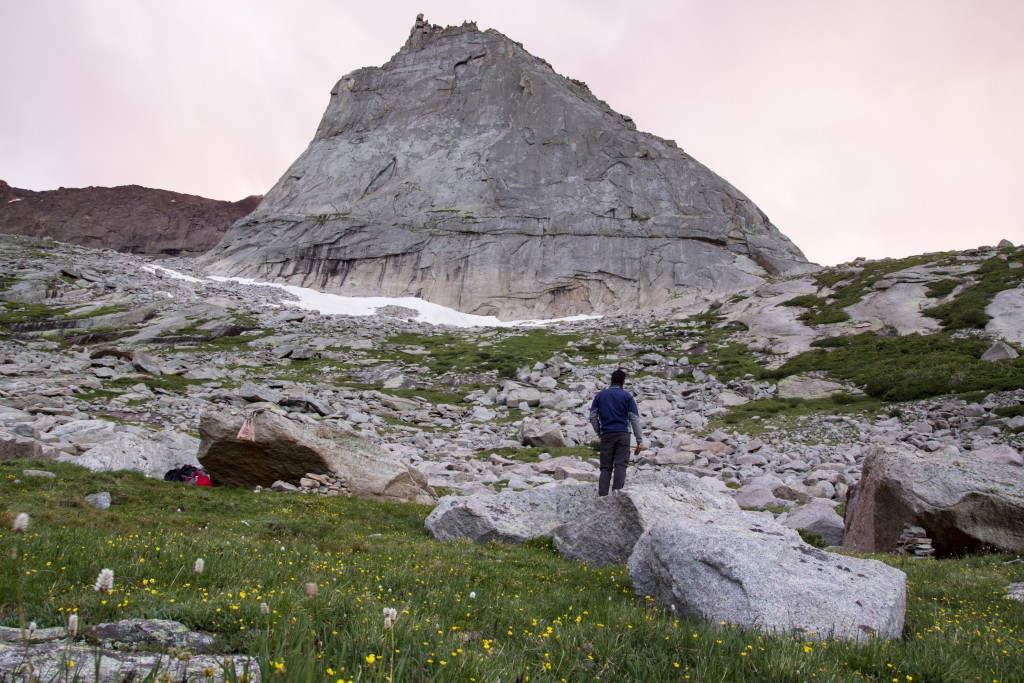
<point>861,127</point>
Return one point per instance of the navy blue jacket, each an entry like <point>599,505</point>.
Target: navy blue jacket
<point>614,410</point>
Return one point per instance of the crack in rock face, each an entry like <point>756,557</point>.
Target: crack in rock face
<point>465,171</point>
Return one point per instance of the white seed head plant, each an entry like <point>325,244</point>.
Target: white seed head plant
<point>105,581</point>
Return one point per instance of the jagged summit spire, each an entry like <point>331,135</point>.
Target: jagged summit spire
<point>422,31</point>
<point>467,172</point>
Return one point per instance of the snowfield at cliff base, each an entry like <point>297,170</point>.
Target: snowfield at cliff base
<point>336,304</point>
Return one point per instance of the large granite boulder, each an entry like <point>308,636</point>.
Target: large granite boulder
<point>466,172</point>
<point>541,433</point>
<point>964,504</point>
<point>286,450</point>
<point>153,454</point>
<point>513,517</point>
<point>748,570</point>
<point>605,530</point>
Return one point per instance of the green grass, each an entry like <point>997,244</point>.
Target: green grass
<point>534,616</point>
<point>967,310</point>
<point>753,417</point>
<point>505,353</point>
<point>1010,411</point>
<point>909,367</point>
<point>16,313</point>
<point>849,287</point>
<point>176,384</point>
<point>532,453</point>
<point>941,288</point>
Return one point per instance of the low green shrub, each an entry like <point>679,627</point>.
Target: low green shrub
<point>967,310</point>
<point>909,367</point>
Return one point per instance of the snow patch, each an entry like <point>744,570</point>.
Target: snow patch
<point>335,304</point>
<point>434,314</point>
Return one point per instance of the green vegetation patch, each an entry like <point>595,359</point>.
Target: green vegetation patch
<point>941,288</point>
<point>749,415</point>
<point>176,384</point>
<point>484,612</point>
<point>16,313</point>
<point>850,286</point>
<point>503,354</point>
<point>532,453</point>
<point>967,310</point>
<point>909,367</point>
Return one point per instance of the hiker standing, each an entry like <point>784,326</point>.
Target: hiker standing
<point>612,414</point>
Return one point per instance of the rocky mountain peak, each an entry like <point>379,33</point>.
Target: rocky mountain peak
<point>467,172</point>
<point>423,31</point>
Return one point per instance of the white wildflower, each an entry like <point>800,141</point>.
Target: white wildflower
<point>312,589</point>
<point>264,609</point>
<point>105,581</point>
<point>20,525</point>
<point>472,595</point>
<point>72,625</point>
<point>200,565</point>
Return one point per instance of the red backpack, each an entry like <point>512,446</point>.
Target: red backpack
<point>199,478</point>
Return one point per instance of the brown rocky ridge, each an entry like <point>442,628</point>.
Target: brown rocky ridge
<point>128,218</point>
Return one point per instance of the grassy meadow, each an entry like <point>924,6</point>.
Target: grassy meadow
<point>492,612</point>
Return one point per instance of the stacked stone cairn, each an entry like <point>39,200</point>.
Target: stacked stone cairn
<point>914,541</point>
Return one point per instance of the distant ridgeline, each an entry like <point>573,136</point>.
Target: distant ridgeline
<point>130,218</point>
<point>465,171</point>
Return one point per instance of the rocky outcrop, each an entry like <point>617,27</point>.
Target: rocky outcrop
<point>607,529</point>
<point>965,504</point>
<point>129,218</point>
<point>819,518</point>
<point>737,568</point>
<point>466,172</point>
<point>126,650</point>
<point>510,517</point>
<point>153,454</point>
<point>285,450</point>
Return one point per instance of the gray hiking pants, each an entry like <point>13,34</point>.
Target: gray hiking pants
<point>614,457</point>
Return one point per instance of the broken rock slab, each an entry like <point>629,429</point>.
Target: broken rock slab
<point>286,450</point>
<point>804,387</point>
<point>744,569</point>
<point>605,530</point>
<point>964,504</point>
<point>542,433</point>
<point>510,517</point>
<point>134,649</point>
<point>152,453</point>
<point>999,350</point>
<point>819,518</point>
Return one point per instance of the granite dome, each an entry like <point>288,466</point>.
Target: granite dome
<point>465,171</point>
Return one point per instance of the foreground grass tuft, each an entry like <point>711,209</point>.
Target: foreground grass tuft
<point>464,612</point>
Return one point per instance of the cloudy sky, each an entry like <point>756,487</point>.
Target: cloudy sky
<point>861,127</point>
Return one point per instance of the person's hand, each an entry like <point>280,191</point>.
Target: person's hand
<point>639,447</point>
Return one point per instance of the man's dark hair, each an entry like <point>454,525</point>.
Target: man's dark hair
<point>619,377</point>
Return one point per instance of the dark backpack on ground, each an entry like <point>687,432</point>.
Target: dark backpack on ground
<point>188,474</point>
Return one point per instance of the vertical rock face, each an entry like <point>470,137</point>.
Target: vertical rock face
<point>467,172</point>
